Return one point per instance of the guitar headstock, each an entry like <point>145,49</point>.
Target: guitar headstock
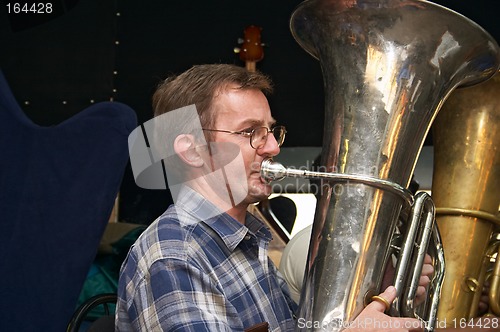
<point>252,48</point>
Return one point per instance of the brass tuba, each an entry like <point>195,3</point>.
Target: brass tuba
<point>388,66</point>
<point>466,191</point>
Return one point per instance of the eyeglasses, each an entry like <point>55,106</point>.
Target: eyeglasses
<point>258,136</point>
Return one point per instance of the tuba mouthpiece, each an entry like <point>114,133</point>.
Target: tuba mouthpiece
<point>272,171</point>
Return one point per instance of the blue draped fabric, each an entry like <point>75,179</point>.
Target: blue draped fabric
<point>57,189</point>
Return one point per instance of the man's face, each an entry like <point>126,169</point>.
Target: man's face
<point>244,110</point>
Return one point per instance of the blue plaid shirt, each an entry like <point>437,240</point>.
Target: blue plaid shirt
<point>191,271</point>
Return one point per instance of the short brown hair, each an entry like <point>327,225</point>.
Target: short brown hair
<point>200,84</point>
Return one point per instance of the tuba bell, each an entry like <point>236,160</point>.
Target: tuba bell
<point>388,66</point>
<point>466,191</point>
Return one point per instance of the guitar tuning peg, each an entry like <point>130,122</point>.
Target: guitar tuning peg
<point>241,40</point>
<point>236,50</point>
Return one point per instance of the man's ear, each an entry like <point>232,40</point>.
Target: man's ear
<point>185,148</point>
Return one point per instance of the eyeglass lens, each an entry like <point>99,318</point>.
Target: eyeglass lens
<point>259,137</point>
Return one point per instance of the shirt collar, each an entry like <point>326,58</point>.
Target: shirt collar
<point>231,231</point>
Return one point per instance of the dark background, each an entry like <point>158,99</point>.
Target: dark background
<point>88,51</point>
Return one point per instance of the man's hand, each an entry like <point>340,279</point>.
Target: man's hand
<point>425,279</point>
<point>484,301</point>
<point>373,319</point>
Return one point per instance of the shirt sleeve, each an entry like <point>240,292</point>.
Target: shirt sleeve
<point>178,296</point>
<point>292,302</point>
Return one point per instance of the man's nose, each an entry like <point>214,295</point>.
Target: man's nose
<point>271,148</point>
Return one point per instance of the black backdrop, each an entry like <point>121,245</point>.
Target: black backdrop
<point>91,50</point>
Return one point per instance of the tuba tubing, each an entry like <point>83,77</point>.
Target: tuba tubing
<point>408,271</point>
<point>274,171</point>
<point>494,293</point>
